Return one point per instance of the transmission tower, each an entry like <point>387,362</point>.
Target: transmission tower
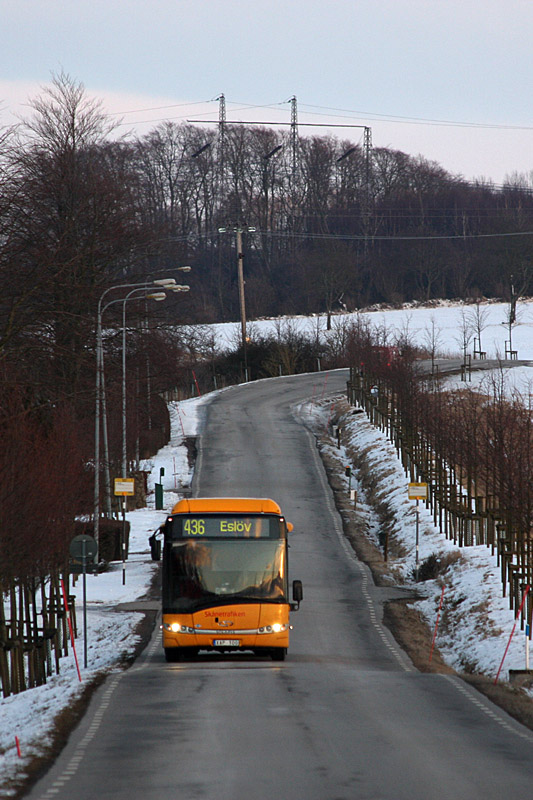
<point>221,146</point>
<point>367,202</point>
<point>221,115</point>
<point>294,135</point>
<point>367,151</point>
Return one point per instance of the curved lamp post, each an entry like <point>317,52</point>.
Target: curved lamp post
<point>163,283</point>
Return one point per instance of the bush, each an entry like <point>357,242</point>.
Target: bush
<point>436,564</point>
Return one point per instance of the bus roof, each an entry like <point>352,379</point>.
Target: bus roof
<point>226,505</point>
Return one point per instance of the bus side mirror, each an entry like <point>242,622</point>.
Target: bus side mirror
<point>290,526</point>
<point>155,547</point>
<point>297,595</point>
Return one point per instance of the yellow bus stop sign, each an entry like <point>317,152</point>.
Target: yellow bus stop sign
<point>417,491</point>
<point>124,486</point>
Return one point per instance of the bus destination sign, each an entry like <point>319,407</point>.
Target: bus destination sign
<point>239,527</point>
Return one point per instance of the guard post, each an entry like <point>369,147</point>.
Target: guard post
<point>348,472</point>
<point>159,491</point>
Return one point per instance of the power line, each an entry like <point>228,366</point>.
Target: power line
<point>156,108</point>
<point>399,118</point>
<point>419,120</point>
<point>362,237</point>
<point>270,122</point>
<point>340,236</point>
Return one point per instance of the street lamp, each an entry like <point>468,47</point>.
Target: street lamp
<point>273,152</point>
<point>201,150</point>
<point>100,394</point>
<point>167,281</point>
<point>101,413</point>
<point>154,296</point>
<point>169,285</point>
<point>347,153</point>
<point>157,296</point>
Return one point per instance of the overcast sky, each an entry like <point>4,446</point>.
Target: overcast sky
<point>398,66</point>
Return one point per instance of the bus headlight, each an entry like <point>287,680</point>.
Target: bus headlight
<point>175,627</point>
<point>277,627</point>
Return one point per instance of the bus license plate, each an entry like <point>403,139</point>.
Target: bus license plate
<point>226,642</point>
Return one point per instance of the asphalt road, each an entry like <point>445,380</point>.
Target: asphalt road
<point>345,717</point>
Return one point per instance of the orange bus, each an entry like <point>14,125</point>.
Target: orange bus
<point>225,578</point>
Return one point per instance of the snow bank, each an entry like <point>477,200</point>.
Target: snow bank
<point>476,621</point>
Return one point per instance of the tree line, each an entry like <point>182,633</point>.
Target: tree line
<point>472,448</point>
<point>83,210</point>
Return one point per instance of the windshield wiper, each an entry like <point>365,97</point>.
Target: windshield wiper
<point>242,598</point>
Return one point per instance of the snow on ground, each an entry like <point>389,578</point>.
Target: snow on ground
<point>414,323</point>
<point>29,715</point>
<point>476,621</point>
<point>517,382</point>
<point>186,419</point>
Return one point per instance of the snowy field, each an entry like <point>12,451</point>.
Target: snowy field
<point>447,325</point>
<point>415,323</point>
<point>476,631</point>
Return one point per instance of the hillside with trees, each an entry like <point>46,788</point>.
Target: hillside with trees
<point>334,224</point>
<point>332,228</point>
<point>82,210</point>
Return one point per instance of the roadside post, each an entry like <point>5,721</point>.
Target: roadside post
<point>348,472</point>
<point>417,491</point>
<point>159,491</point>
<point>124,487</point>
<point>83,549</point>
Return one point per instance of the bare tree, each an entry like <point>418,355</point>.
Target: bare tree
<point>404,338</point>
<point>433,341</point>
<point>75,223</point>
<point>464,333</point>
<point>479,320</point>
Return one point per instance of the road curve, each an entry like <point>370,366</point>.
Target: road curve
<point>345,717</point>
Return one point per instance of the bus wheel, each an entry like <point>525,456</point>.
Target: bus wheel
<point>279,653</point>
<point>173,654</point>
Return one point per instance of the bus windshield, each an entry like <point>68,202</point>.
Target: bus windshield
<point>206,572</point>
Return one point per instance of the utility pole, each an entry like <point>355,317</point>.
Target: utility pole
<point>242,305</point>
<point>239,230</point>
